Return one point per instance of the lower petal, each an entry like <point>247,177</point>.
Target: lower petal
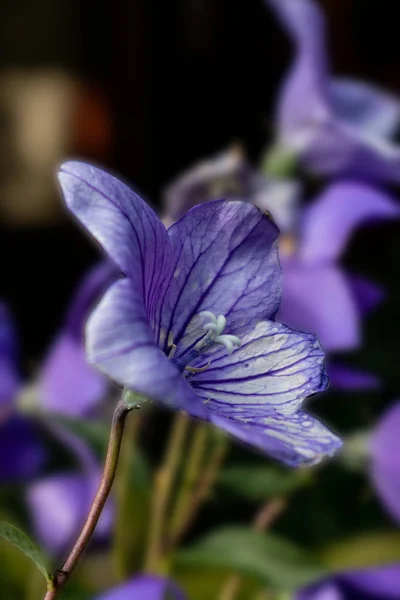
<point>296,440</point>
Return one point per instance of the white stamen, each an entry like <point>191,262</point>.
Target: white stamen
<point>215,326</point>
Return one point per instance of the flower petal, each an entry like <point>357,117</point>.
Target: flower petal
<point>327,590</point>
<point>295,440</point>
<point>10,380</point>
<point>146,587</point>
<point>125,226</point>
<point>365,106</point>
<point>22,453</point>
<point>304,95</point>
<point>317,298</point>
<point>385,466</point>
<point>59,506</point>
<point>382,583</point>
<point>227,263</point>
<point>330,221</point>
<point>121,344</point>
<point>69,385</point>
<point>274,369</point>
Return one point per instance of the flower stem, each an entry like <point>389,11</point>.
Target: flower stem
<point>164,480</point>
<point>117,428</point>
<point>265,517</point>
<point>203,488</point>
<point>191,476</point>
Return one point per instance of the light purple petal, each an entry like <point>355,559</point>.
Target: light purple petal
<point>22,452</point>
<point>10,380</point>
<point>328,590</point>
<point>59,506</point>
<point>365,106</point>
<point>382,583</point>
<point>345,378</point>
<point>317,298</point>
<point>274,370</point>
<point>385,463</point>
<point>68,384</point>
<point>227,263</point>
<point>145,587</point>
<point>122,345</point>
<point>296,440</point>
<point>125,226</point>
<point>304,100</point>
<point>330,221</point>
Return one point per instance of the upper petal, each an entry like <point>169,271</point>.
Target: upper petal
<point>146,587</point>
<point>318,298</point>
<point>330,221</point>
<point>327,590</point>
<point>227,263</point>
<point>274,369</point>
<point>365,106</point>
<point>120,342</point>
<point>380,583</point>
<point>126,227</point>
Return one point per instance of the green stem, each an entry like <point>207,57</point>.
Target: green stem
<point>117,429</point>
<point>163,483</point>
<point>204,487</point>
<point>122,538</point>
<point>190,479</point>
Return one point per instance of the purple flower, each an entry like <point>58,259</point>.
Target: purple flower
<point>384,450</point>
<point>334,126</point>
<point>191,324</point>
<point>318,295</point>
<point>378,583</point>
<point>145,587</point>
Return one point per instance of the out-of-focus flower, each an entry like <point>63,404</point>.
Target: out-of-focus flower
<point>191,324</point>
<point>318,296</point>
<point>145,587</point>
<point>378,583</point>
<point>333,126</point>
<point>384,454</point>
<point>65,367</point>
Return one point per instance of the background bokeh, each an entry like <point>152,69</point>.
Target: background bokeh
<point>146,89</point>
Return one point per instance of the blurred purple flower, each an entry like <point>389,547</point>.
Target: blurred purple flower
<point>191,324</point>
<point>59,504</point>
<point>384,451</point>
<point>66,383</point>
<point>378,583</point>
<point>145,587</point>
<point>334,126</point>
<point>318,296</point>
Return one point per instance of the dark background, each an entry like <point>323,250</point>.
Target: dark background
<point>160,85</point>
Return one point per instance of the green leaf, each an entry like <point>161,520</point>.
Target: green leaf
<point>18,538</point>
<point>259,483</point>
<point>368,550</point>
<point>269,558</point>
<point>208,583</point>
